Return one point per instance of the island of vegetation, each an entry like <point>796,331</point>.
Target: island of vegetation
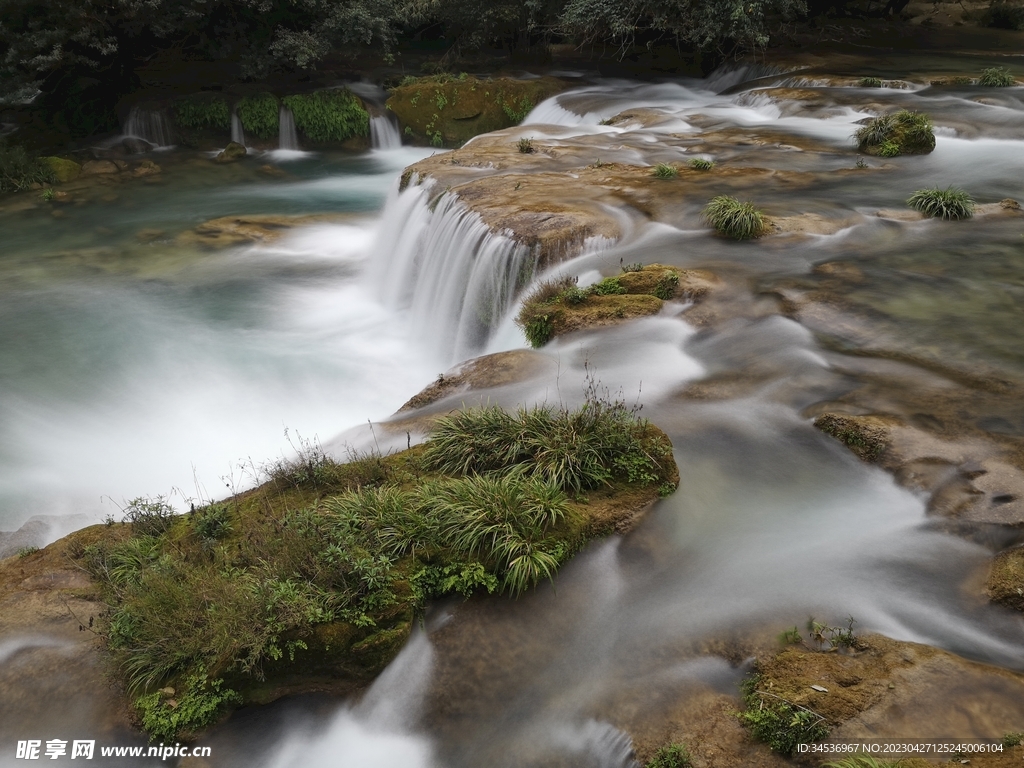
<point>314,579</point>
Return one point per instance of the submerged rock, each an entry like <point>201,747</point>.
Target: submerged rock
<point>233,151</point>
<point>236,230</point>
<point>99,168</point>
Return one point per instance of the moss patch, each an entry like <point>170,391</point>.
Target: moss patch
<point>449,111</point>
<point>860,434</point>
<point>318,574</point>
<point>1006,579</point>
<point>560,307</point>
<point>63,170</point>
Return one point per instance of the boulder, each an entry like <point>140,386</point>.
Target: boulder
<point>133,145</point>
<point>64,170</point>
<point>99,168</point>
<point>233,151</point>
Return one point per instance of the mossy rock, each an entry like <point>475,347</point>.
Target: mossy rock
<point>64,170</point>
<point>1006,579</point>
<point>865,438</point>
<point>449,111</point>
<point>233,151</point>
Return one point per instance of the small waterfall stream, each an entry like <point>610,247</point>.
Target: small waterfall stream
<point>384,132</point>
<point>237,133</point>
<point>150,125</point>
<point>289,137</point>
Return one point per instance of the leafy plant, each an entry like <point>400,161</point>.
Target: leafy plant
<point>730,217</point>
<point>1013,739</point>
<point>1004,14</point>
<point>26,551</point>
<point>665,171</point>
<point>671,756</point>
<point>779,723</point>
<point>826,637</point>
<point>949,203</point>
<point>610,286</point>
<point>48,195</point>
<point>902,132</point>
<point>996,77</point>
<point>665,288</point>
<point>870,82</point>
<point>790,637</point>
<point>211,522</point>
<point>198,706</point>
<point>149,517</point>
<point>539,330</point>
<point>516,110</point>
<point>702,164</point>
<point>574,296</point>
<point>526,146</point>
<point>260,115</point>
<point>331,115</point>
<point>637,267</point>
<point>18,170</point>
<point>202,112</point>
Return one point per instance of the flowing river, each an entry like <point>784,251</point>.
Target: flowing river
<point>133,364</point>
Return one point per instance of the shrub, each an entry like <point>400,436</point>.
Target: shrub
<point>996,77</point>
<point>539,330</point>
<point>149,517</point>
<point>1013,739</point>
<point>333,115</point>
<point>202,112</point>
<point>665,171</point>
<point>574,296</point>
<point>948,203</point>
<point>902,132</point>
<point>1004,14</point>
<point>526,146</point>
<point>702,164</point>
<point>870,82</point>
<point>211,522</point>
<point>260,115</point>
<point>26,551</point>
<point>730,217</point>
<point>18,170</point>
<point>636,267</point>
<point>671,756</point>
<point>780,724</point>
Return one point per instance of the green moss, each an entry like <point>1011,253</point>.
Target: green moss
<point>329,116</point>
<point>63,170</point>
<point>260,115</point>
<point>901,133</point>
<point>202,111</point>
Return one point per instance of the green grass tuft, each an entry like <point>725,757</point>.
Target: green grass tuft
<point>665,171</point>
<point>19,170</point>
<point>996,77</point>
<point>900,133</point>
<point>870,82</point>
<point>948,203</point>
<point>526,146</point>
<point>730,217</point>
<point>671,756</point>
<point>702,164</point>
<point>779,723</point>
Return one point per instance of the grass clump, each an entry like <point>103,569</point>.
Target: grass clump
<point>19,170</point>
<point>1004,14</point>
<point>702,164</point>
<point>779,723</point>
<point>610,286</point>
<point>732,218</point>
<point>202,112</point>
<point>1013,739</point>
<point>996,77</point>
<point>870,82</point>
<point>260,115</point>
<point>862,761</point>
<point>948,203</point>
<point>526,146</point>
<point>322,570</point>
<point>900,133</point>
<point>671,756</point>
<point>325,116</point>
<point>665,171</point>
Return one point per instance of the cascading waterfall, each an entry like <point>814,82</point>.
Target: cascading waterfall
<point>151,125</point>
<point>384,132</point>
<point>289,137</point>
<point>441,260</point>
<point>237,134</point>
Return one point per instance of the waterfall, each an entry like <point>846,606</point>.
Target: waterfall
<point>384,132</point>
<point>151,125</point>
<point>441,261</point>
<point>237,134</point>
<point>289,137</point>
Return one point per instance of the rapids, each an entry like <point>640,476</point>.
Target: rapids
<point>132,367</point>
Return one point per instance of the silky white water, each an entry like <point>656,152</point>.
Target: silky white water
<point>119,381</point>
